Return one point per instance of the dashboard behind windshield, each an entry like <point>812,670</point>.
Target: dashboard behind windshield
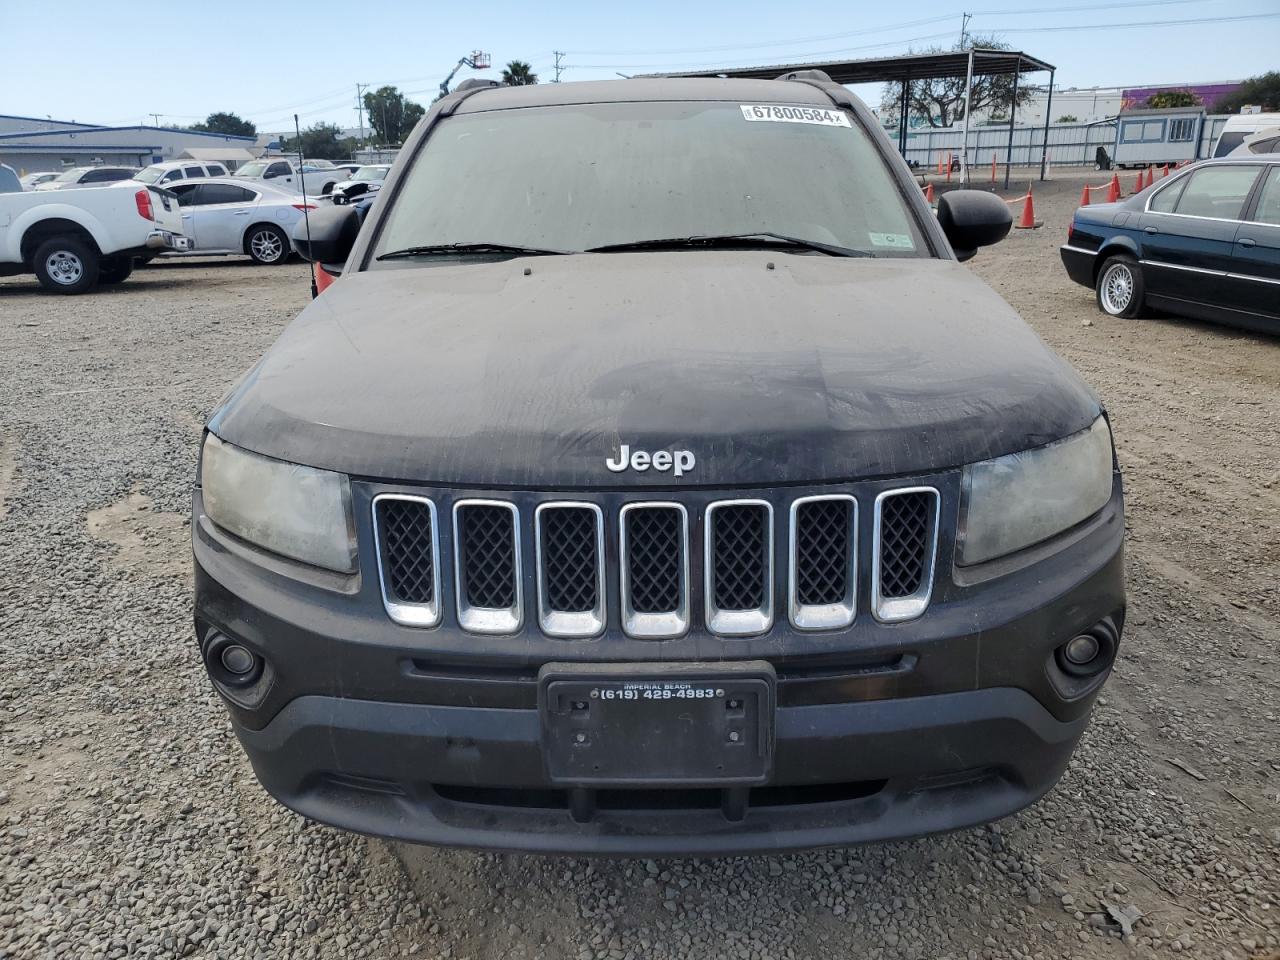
<point>574,177</point>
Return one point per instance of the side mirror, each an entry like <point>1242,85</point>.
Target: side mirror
<point>972,219</point>
<point>333,234</point>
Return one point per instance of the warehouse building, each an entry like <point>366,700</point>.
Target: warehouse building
<point>29,145</point>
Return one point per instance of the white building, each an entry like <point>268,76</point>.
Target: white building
<point>30,144</point>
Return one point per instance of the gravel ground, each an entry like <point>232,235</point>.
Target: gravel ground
<point>130,825</point>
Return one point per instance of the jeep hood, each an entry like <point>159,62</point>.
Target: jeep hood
<point>770,367</point>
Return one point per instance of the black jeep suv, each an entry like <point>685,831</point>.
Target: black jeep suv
<point>655,480</point>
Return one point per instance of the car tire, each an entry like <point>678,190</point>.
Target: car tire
<point>66,265</point>
<point>1119,288</point>
<point>267,244</point>
<point>115,270</point>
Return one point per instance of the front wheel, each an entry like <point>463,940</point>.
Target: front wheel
<point>1120,288</point>
<point>66,265</point>
<point>115,270</point>
<point>267,244</point>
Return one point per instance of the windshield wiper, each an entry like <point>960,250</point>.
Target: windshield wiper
<point>427,250</point>
<point>733,240</point>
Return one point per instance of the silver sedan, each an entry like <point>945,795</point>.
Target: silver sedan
<point>222,216</point>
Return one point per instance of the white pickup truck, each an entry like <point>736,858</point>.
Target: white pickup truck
<point>73,240</point>
<point>280,171</point>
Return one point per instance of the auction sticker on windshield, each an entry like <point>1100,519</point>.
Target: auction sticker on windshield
<point>779,113</point>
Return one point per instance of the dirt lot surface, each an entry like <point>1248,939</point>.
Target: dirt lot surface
<point>130,824</point>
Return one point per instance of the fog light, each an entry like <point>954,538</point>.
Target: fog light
<point>1090,652</point>
<point>1079,650</point>
<point>231,663</point>
<point>239,660</point>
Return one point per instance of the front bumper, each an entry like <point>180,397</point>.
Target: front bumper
<point>881,731</point>
<point>856,772</point>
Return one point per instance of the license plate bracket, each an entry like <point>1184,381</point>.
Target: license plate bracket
<point>658,725</point>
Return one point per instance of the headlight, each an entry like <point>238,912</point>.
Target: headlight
<point>1015,501</point>
<point>295,511</point>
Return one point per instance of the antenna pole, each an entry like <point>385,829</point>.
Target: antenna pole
<point>302,177</point>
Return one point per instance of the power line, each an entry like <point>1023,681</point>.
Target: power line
<point>1080,8</point>
<point>771,43</point>
<point>780,58</point>
<point>816,54</point>
<point>1140,23</point>
<point>887,28</point>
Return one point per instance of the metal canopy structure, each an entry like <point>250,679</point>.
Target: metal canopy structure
<point>977,62</point>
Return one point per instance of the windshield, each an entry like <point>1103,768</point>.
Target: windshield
<point>253,168</point>
<point>370,173</point>
<point>150,174</point>
<point>68,176</point>
<point>581,176</point>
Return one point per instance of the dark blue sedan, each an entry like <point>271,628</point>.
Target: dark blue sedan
<point>1203,243</point>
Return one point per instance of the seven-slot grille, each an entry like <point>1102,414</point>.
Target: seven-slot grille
<point>651,567</point>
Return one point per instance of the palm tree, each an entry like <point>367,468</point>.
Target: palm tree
<point>518,74</point>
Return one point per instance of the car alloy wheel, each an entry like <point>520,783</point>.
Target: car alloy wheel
<point>266,246</point>
<point>1116,288</point>
<point>64,267</point>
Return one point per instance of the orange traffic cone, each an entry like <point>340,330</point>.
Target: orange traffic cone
<point>1165,173</point>
<point>1113,191</point>
<point>928,193</point>
<point>1084,196</point>
<point>948,168</point>
<point>1137,185</point>
<point>1028,220</point>
<point>993,168</point>
<point>939,165</point>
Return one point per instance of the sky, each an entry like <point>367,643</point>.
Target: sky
<point>266,62</point>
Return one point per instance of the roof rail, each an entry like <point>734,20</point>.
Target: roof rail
<point>820,76</point>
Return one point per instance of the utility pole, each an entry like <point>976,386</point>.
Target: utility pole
<point>360,89</point>
<point>559,69</point>
<point>964,27</point>
<point>155,117</point>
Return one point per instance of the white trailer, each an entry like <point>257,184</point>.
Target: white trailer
<point>1155,136</point>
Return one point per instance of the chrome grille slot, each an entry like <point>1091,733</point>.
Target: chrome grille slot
<point>570,550</point>
<point>408,545</point>
<point>823,562</point>
<point>739,567</point>
<point>487,566</point>
<point>906,536</point>
<point>654,569</point>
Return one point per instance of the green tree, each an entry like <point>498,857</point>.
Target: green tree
<point>1262,91</point>
<point>227,123</point>
<point>517,73</point>
<point>1172,98</point>
<point>940,101</point>
<point>1068,118</point>
<point>322,141</point>
<point>391,114</point>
